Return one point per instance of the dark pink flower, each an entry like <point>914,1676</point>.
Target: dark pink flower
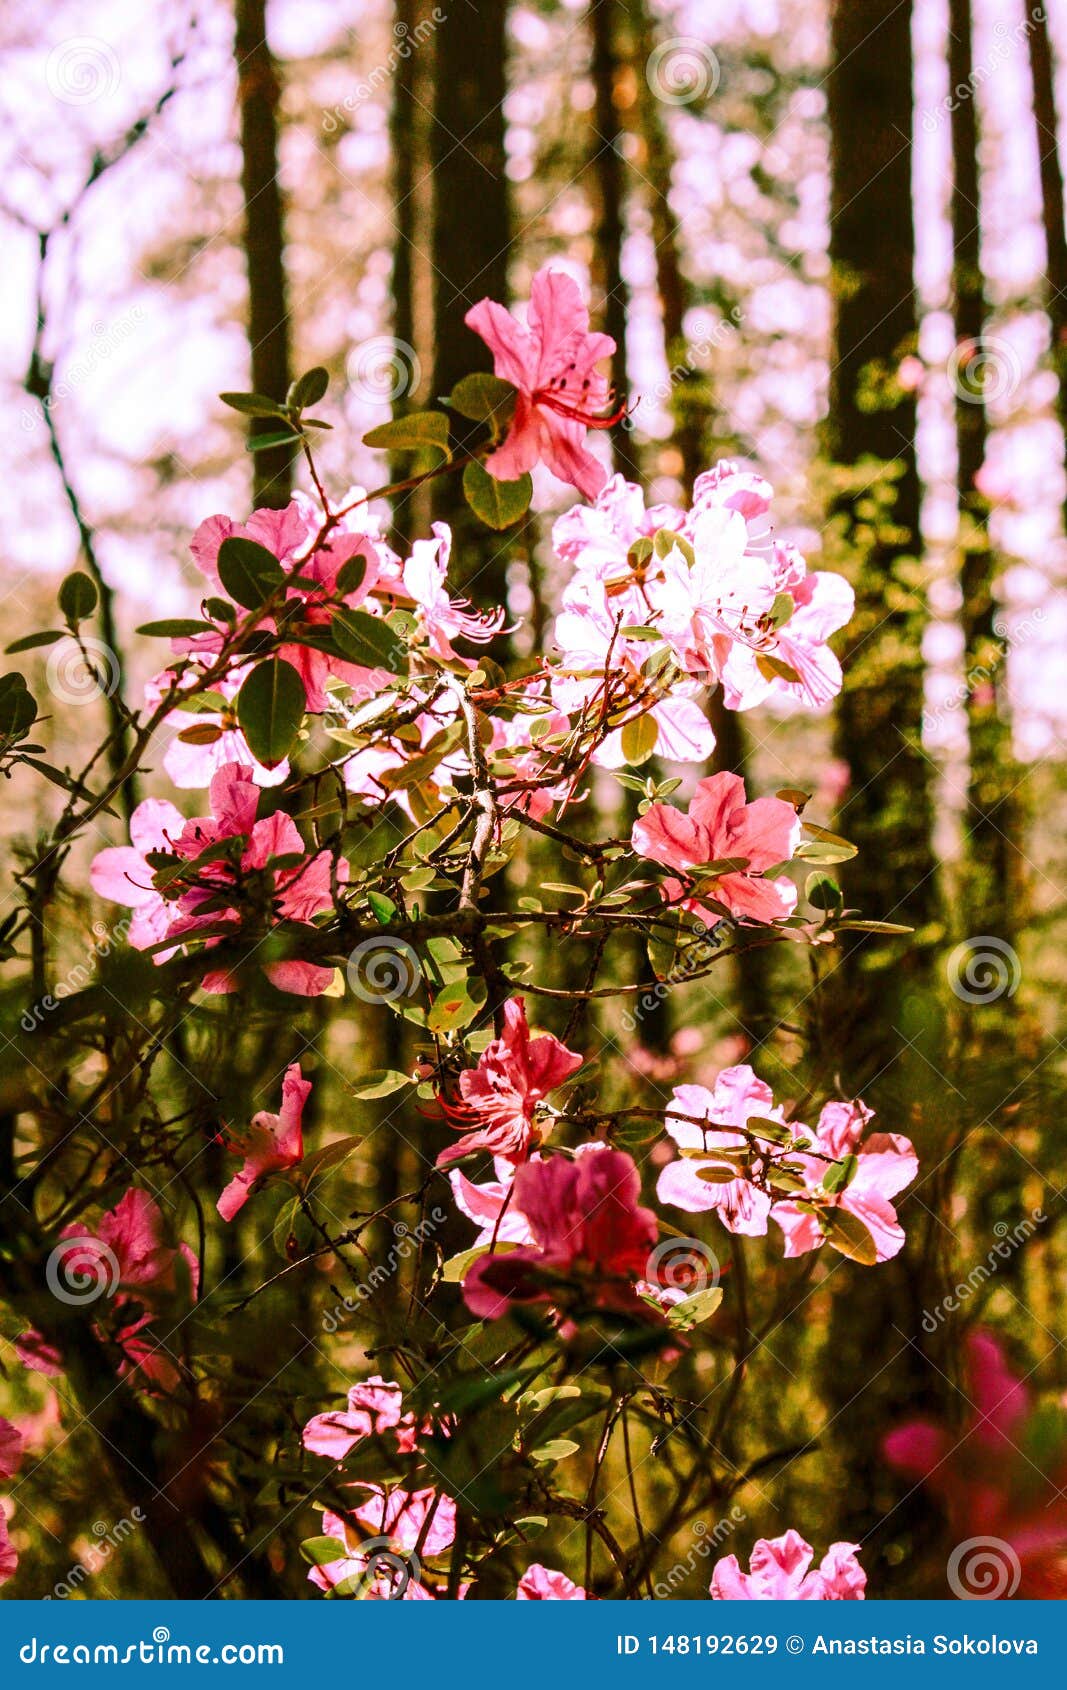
<point>12,1448</point>
<point>720,827</point>
<point>125,1265</point>
<point>986,1477</point>
<point>500,1097</point>
<point>299,889</point>
<point>780,1573</point>
<point>559,394</point>
<point>272,1142</point>
<point>543,1584</point>
<point>589,1229</point>
<point>385,1539</point>
<point>374,1407</point>
<point>9,1559</point>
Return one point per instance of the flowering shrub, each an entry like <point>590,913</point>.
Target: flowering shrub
<point>326,686</point>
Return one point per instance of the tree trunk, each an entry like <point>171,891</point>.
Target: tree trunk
<point>873,1374</point>
<point>605,20</point>
<point>995,879</point>
<point>1042,67</point>
<point>471,230</point>
<point>258,95</point>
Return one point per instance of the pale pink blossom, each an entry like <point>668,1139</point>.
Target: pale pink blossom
<point>544,1584</point>
<point>884,1164</point>
<point>381,1538</point>
<point>271,1144</point>
<point>442,618</point>
<point>490,1205</point>
<point>551,362</point>
<point>721,827</point>
<point>499,1099</point>
<point>781,1571</point>
<point>738,1096</point>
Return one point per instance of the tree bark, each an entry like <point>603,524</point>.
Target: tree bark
<point>1042,68</point>
<point>995,878</point>
<point>471,233</point>
<point>258,95</point>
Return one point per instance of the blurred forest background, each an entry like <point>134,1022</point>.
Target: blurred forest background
<point>813,255</point>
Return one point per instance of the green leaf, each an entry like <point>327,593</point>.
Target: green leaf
<point>497,503</point>
<point>773,1131</point>
<point>823,893</point>
<point>264,442</point>
<point>18,707</point>
<point>177,628</point>
<point>871,927</point>
<point>483,398</point>
<point>847,1233</point>
<point>248,571</point>
<point>270,709</point>
<point>692,1311</point>
<point>418,431</point>
<point>663,944</point>
<point>78,597</point>
<point>368,641</point>
<point>252,404</point>
<point>774,669</point>
<point>716,1176</point>
<point>319,1550</point>
<point>309,388</point>
<point>639,738</point>
<point>556,1449</point>
<point>456,1006</point>
<point>380,1082</point>
<point>383,908</point>
<point>29,642</point>
<point>840,1174</point>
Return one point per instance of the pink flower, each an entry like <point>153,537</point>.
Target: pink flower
<point>873,1170</point>
<point>12,1448</point>
<point>588,1227</point>
<point>551,363</point>
<point>986,1478</point>
<point>214,894</point>
<point>544,1584</point>
<point>721,826</point>
<point>194,764</point>
<point>779,1573</point>
<point>273,1142</point>
<point>490,1206</point>
<point>288,535</point>
<point>884,1164</point>
<point>374,1407</point>
<point>385,1539</point>
<point>742,1206</point>
<point>133,1268</point>
<point>444,619</point>
<point>500,1097</point>
<point>9,1559</point>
